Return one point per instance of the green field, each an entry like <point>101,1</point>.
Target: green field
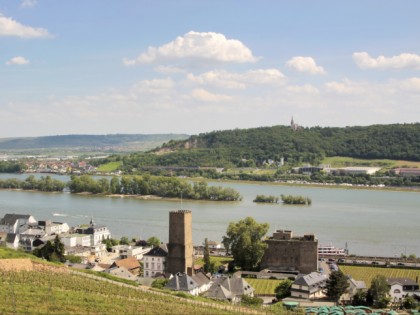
<point>218,260</point>
<point>263,286</point>
<point>109,167</point>
<point>340,161</point>
<point>365,273</point>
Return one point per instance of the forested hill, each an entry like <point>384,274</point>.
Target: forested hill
<point>242,147</point>
<point>131,142</point>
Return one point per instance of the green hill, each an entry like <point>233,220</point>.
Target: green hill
<point>251,147</point>
<point>112,142</point>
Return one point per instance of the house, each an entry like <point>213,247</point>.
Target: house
<point>12,240</point>
<point>214,245</point>
<point>131,264</point>
<point>193,285</point>
<point>399,288</point>
<point>54,227</point>
<point>353,288</point>
<point>122,272</point>
<point>154,262</point>
<point>407,172</point>
<point>309,286</point>
<point>97,233</point>
<point>229,289</point>
<point>126,251</point>
<point>15,223</point>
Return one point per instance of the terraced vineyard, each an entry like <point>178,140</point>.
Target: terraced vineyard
<point>365,273</point>
<point>47,292</point>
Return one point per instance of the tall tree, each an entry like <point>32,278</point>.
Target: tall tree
<point>283,289</point>
<point>153,241</point>
<point>336,285</point>
<point>207,262</point>
<point>244,239</point>
<point>378,291</point>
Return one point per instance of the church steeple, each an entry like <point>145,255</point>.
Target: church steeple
<point>92,223</point>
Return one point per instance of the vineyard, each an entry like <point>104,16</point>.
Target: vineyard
<point>263,286</point>
<point>43,292</point>
<point>364,273</point>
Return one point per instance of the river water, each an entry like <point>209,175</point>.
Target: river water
<point>371,222</point>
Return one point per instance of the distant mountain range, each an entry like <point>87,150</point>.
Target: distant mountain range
<point>112,142</point>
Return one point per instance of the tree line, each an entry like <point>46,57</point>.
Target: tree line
<point>31,183</point>
<point>171,187</point>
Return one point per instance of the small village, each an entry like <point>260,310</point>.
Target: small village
<point>300,260</point>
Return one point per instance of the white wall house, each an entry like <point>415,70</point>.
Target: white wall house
<point>399,288</point>
<point>15,223</point>
<point>310,286</point>
<point>154,262</point>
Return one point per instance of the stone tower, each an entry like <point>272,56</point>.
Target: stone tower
<point>180,247</point>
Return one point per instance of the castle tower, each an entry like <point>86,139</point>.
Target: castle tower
<point>180,247</point>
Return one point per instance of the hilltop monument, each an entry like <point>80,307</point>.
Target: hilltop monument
<point>180,247</point>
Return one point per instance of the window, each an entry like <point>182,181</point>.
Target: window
<point>397,291</point>
<point>147,265</point>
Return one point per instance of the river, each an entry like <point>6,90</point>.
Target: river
<point>371,222</point>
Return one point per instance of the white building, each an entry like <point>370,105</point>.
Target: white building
<point>54,227</point>
<point>310,286</point>
<point>154,262</point>
<point>97,233</point>
<point>402,287</point>
<point>16,223</point>
<point>127,251</point>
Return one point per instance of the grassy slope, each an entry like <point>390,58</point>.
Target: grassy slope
<point>340,161</point>
<point>109,167</point>
<point>263,286</point>
<point>366,273</point>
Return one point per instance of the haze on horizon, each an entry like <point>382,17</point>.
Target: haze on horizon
<point>147,67</point>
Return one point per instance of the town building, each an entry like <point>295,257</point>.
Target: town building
<point>194,284</point>
<point>399,288</point>
<point>131,264</point>
<point>180,246</point>
<point>407,172</point>
<point>288,253</point>
<point>97,233</point>
<point>353,288</point>
<point>16,223</point>
<point>154,262</point>
<point>229,289</point>
<point>310,286</point>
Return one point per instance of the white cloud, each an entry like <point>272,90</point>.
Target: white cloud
<point>195,45</point>
<point>206,96</point>
<point>168,69</point>
<point>344,87</point>
<point>402,61</point>
<point>231,80</point>
<point>305,64</point>
<point>28,4</point>
<point>307,89</point>
<point>410,85</point>
<point>155,86</point>
<point>10,27</point>
<point>19,61</point>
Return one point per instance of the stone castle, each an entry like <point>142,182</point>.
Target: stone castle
<point>288,253</point>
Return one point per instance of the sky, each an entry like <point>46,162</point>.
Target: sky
<point>154,66</point>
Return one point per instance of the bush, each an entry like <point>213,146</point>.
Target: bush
<point>251,300</point>
<point>159,283</point>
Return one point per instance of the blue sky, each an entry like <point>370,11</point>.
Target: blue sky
<point>102,66</point>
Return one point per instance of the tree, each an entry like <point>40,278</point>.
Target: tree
<point>244,240</point>
<point>378,291</point>
<point>251,300</point>
<point>124,240</point>
<point>51,251</point>
<point>360,298</point>
<point>283,289</point>
<point>409,302</point>
<point>159,283</point>
<point>206,258</point>
<point>336,285</point>
<point>153,241</point>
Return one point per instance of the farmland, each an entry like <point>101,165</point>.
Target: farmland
<point>365,273</point>
<point>263,286</point>
<point>340,161</point>
<point>48,292</point>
